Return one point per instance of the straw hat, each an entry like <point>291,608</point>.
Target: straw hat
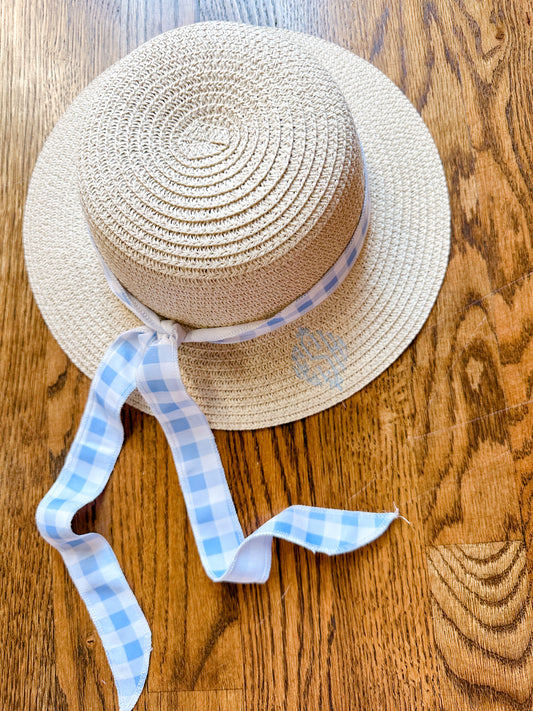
<point>221,170</point>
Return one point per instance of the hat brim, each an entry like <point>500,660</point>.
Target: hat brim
<point>326,355</point>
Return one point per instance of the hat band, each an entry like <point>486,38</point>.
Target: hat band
<point>146,358</point>
<point>332,279</point>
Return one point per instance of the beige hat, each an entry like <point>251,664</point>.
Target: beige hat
<point>221,170</point>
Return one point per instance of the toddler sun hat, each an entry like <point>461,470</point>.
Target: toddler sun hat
<point>232,227</point>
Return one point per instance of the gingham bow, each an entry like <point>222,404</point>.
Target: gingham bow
<point>146,358</point>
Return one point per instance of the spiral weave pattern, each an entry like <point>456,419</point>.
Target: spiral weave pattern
<point>220,173</point>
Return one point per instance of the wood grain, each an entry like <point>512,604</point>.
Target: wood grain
<point>435,615</point>
<point>483,623</point>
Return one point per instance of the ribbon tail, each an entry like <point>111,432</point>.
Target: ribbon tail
<point>89,559</point>
<point>330,531</point>
<point>320,530</point>
<point>226,555</point>
<point>211,511</point>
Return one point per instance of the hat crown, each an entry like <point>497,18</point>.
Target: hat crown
<point>220,173</point>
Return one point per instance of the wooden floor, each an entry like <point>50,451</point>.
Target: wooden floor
<point>436,614</point>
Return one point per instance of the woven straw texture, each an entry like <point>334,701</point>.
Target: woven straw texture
<point>329,353</point>
<point>220,183</point>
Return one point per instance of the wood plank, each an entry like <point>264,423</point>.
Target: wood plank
<point>482,619</point>
<point>215,700</point>
<point>494,44</point>
<point>28,643</point>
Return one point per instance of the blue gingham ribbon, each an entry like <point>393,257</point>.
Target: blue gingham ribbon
<point>146,358</point>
